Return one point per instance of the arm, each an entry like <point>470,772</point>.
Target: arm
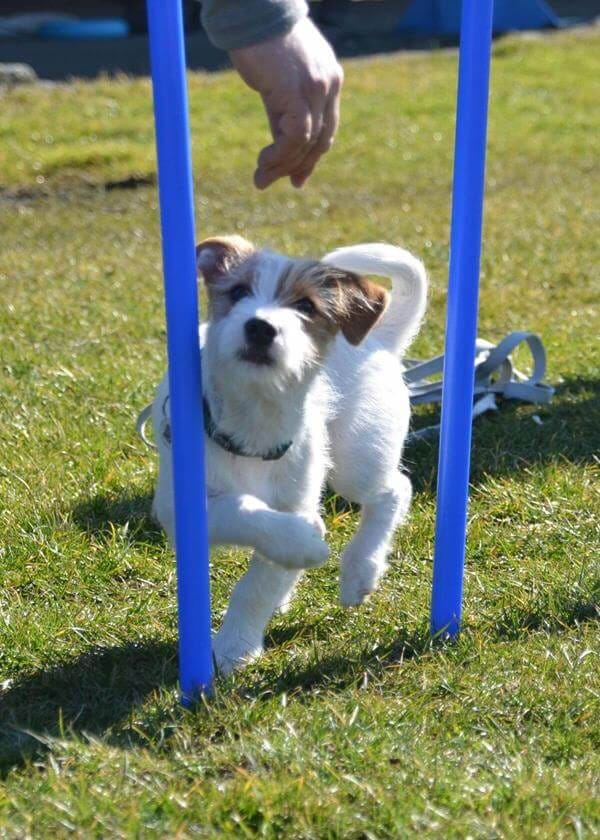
<point>234,24</point>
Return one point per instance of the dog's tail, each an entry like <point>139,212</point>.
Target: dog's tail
<point>401,320</point>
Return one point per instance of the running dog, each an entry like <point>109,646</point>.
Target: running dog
<point>302,378</point>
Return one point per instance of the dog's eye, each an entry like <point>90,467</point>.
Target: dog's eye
<point>238,292</point>
<point>305,305</point>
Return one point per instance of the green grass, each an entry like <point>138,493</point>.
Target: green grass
<point>351,725</point>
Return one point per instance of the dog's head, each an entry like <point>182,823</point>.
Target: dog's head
<point>274,317</point>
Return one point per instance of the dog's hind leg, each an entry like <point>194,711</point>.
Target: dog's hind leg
<point>364,559</point>
<point>264,588</point>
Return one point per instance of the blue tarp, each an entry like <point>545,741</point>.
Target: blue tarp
<point>442,17</point>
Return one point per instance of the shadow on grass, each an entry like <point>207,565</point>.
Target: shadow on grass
<point>91,694</point>
<point>338,672</point>
<point>96,693</point>
<point>100,691</point>
<point>514,623</point>
<point>104,512</point>
<point>509,440</point>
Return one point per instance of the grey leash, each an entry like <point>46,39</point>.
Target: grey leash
<point>141,423</point>
<point>495,376</point>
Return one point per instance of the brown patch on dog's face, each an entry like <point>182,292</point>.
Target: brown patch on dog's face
<point>306,288</point>
<point>225,263</point>
<point>332,300</point>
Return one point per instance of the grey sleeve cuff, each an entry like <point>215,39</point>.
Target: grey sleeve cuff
<point>232,24</point>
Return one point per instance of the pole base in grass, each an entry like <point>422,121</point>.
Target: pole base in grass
<point>192,701</point>
<point>446,633</point>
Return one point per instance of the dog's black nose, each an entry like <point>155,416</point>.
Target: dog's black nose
<point>259,333</point>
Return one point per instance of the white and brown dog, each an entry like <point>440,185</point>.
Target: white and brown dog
<point>301,363</point>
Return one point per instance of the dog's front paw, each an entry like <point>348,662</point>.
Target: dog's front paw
<point>317,522</point>
<point>297,543</point>
<point>232,652</point>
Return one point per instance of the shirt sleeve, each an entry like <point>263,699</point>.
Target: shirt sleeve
<point>231,24</point>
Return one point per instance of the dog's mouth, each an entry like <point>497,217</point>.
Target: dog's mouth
<point>256,356</point>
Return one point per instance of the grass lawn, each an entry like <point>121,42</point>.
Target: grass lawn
<point>351,725</point>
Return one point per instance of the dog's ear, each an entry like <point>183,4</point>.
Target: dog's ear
<point>362,304</point>
<point>216,256</point>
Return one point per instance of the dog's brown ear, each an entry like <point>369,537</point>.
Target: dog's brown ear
<point>362,305</point>
<point>217,255</point>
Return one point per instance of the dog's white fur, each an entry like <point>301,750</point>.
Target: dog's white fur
<point>345,408</point>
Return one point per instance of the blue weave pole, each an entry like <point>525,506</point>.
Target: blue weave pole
<point>181,303</point>
<point>461,320</point>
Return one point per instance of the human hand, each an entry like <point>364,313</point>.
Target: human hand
<point>299,80</point>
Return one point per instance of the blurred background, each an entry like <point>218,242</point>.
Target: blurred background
<point>57,39</point>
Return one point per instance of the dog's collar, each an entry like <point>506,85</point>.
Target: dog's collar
<point>225,441</point>
<point>229,445</point>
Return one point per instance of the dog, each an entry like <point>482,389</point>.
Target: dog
<point>302,381</point>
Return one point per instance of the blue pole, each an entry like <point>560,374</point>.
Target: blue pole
<point>181,303</point>
<point>461,323</point>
